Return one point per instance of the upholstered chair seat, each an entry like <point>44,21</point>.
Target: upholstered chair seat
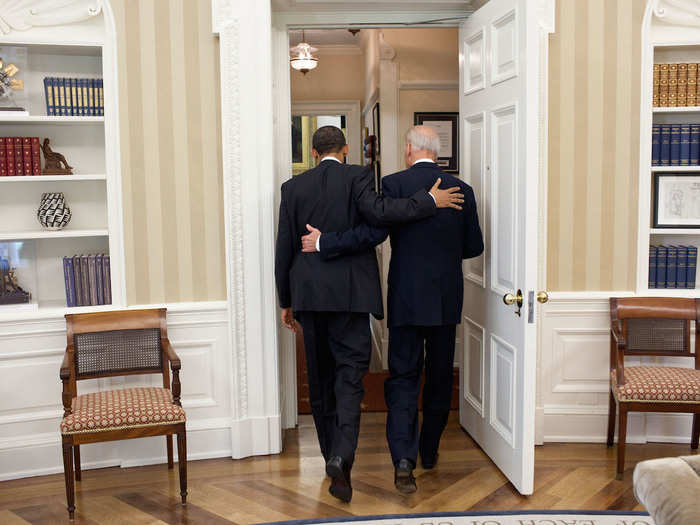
<point>658,383</point>
<point>122,409</point>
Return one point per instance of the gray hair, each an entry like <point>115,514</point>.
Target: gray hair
<point>423,138</point>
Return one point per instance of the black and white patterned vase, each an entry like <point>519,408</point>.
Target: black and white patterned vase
<point>53,213</point>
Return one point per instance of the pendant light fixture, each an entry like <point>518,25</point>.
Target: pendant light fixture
<point>302,58</point>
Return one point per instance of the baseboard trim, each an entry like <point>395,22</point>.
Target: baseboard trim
<point>256,436</point>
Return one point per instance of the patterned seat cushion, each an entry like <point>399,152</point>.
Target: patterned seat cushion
<point>659,384</point>
<point>119,409</point>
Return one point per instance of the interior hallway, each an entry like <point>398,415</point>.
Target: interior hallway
<point>292,485</point>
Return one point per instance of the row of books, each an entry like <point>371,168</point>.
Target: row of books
<point>81,97</point>
<point>675,145</point>
<point>676,85</point>
<point>672,266</point>
<point>88,280</point>
<point>20,156</point>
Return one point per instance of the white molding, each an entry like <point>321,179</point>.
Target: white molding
<point>250,182</point>
<point>349,108</point>
<point>429,85</point>
<point>26,14</point>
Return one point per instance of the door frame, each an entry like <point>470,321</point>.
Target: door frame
<point>262,360</point>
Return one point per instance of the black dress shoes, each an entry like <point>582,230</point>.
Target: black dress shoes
<point>339,472</point>
<point>429,463</point>
<point>403,477</point>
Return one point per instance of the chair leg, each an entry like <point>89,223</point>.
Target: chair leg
<point>169,444</point>
<point>621,438</point>
<point>68,474</point>
<point>76,457</point>
<point>611,420</point>
<point>182,464</point>
<point>696,432</point>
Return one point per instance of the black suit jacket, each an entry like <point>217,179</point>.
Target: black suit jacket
<point>425,274</point>
<point>335,197</point>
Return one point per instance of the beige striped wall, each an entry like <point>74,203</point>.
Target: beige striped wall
<point>594,97</point>
<point>171,153</point>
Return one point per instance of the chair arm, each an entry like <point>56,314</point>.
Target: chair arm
<point>617,336</point>
<point>66,364</point>
<point>171,355</point>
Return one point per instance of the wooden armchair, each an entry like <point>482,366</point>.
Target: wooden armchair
<point>117,343</point>
<point>652,327</point>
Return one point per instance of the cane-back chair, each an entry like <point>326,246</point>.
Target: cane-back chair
<point>652,327</point>
<point>118,343</point>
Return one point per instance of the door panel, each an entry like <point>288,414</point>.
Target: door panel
<point>501,46</point>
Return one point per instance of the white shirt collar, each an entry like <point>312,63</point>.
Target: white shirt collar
<point>330,158</point>
<point>423,160</point>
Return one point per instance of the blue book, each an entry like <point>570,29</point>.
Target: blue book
<point>655,144</point>
<point>695,144</point>
<point>685,145</point>
<point>48,94</point>
<point>652,266</point>
<point>74,96</point>
<point>100,280</point>
<point>69,97</point>
<point>675,144</point>
<point>91,97</point>
<point>692,266</point>
<point>100,98</point>
<point>661,267</point>
<point>78,281</point>
<point>682,267</point>
<point>107,278</point>
<point>70,281</point>
<point>671,266</point>
<point>665,145</point>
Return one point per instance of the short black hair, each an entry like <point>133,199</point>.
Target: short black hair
<point>328,139</point>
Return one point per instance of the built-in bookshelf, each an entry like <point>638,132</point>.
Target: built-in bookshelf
<point>669,52</point>
<point>90,145</point>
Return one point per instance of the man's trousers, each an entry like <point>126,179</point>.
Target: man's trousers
<point>410,348</point>
<point>338,348</point>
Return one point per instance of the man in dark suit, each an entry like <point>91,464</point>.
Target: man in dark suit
<point>424,299</point>
<point>332,300</point>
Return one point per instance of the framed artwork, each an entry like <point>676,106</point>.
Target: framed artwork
<point>676,200</point>
<point>301,143</point>
<point>446,126</point>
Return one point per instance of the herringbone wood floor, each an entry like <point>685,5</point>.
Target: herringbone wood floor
<point>293,485</point>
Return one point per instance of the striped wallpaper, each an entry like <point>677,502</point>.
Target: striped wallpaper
<point>594,98</point>
<point>171,151</point>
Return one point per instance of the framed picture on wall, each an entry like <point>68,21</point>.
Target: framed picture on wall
<point>445,125</point>
<point>676,200</point>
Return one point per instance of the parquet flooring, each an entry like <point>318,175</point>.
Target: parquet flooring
<point>293,485</point>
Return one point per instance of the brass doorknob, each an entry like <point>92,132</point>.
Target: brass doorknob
<point>542,297</point>
<point>511,299</point>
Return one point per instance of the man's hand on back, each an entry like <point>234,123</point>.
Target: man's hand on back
<point>448,198</point>
<point>288,320</point>
<point>310,240</point>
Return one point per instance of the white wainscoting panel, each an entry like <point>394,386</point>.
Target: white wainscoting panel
<point>574,368</point>
<point>31,352</point>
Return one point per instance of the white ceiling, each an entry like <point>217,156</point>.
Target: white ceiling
<point>324,37</point>
<point>361,5</point>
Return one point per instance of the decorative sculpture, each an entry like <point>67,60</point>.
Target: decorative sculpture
<point>8,85</point>
<point>10,290</point>
<point>53,213</point>
<point>55,163</point>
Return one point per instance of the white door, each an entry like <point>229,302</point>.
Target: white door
<point>500,61</point>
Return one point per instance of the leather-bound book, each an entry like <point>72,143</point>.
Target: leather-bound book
<point>673,85</point>
<point>655,96</point>
<point>663,85</point>
<point>691,91</point>
<point>682,84</point>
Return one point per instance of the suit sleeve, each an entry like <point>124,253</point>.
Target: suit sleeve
<point>284,254</point>
<point>356,240</point>
<point>473,240</point>
<point>379,210</point>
